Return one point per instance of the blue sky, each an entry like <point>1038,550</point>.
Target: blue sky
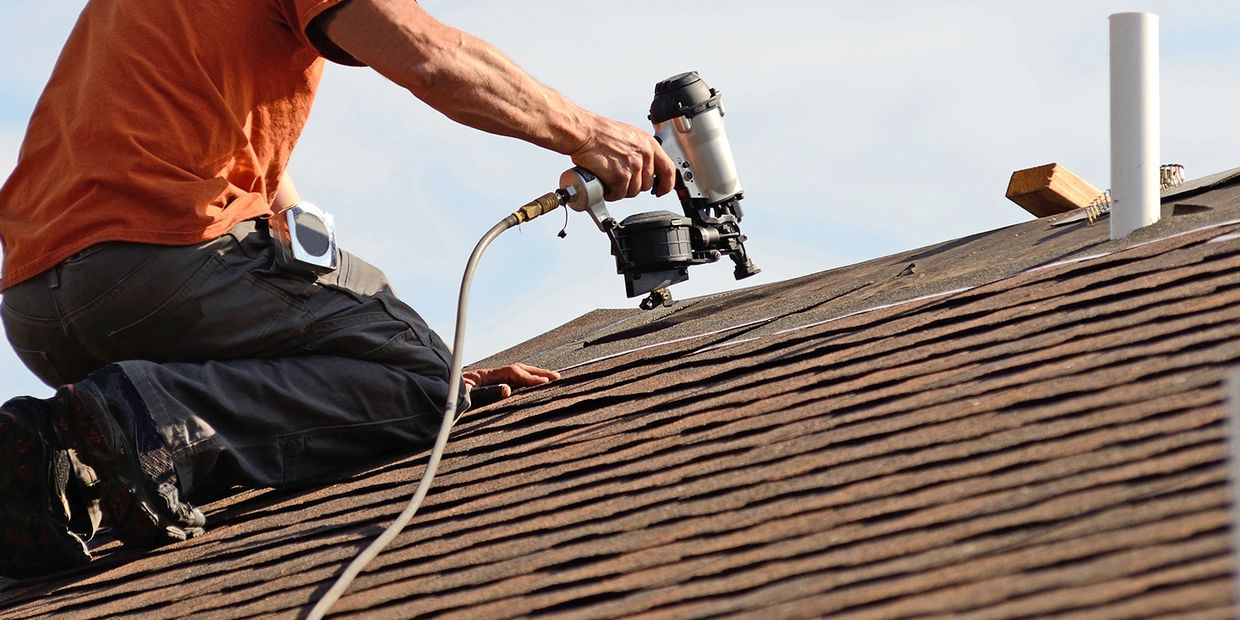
<point>859,129</point>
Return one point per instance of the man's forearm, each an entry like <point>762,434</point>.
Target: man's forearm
<point>473,83</point>
<point>463,77</point>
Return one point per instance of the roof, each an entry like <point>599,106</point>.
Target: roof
<point>1022,422</point>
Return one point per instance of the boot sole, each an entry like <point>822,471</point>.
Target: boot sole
<point>138,518</point>
<point>32,541</point>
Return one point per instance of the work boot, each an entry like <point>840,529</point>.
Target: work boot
<point>35,536</point>
<point>103,419</point>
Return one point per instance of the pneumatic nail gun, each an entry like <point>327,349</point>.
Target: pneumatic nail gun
<point>654,250</point>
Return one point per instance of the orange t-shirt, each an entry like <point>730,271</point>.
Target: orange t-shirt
<point>164,121</point>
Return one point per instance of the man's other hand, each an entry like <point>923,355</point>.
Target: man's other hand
<point>626,159</point>
<point>509,377</point>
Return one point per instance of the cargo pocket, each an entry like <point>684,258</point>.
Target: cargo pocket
<point>251,251</point>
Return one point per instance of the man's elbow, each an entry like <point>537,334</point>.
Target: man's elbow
<point>422,77</point>
<point>397,39</point>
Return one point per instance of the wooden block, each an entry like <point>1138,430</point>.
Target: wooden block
<point>1049,190</point>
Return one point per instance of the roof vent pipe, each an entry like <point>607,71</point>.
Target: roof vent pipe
<point>1135,140</point>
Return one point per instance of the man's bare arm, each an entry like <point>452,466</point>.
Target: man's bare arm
<point>286,194</point>
<point>473,83</point>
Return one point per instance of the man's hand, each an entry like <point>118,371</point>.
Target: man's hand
<point>626,159</point>
<point>510,376</point>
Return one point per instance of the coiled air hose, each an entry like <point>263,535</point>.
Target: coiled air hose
<point>543,204</point>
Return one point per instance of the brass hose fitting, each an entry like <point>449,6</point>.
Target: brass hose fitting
<point>539,206</point>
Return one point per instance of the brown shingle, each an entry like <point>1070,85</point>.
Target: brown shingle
<point>1032,423</point>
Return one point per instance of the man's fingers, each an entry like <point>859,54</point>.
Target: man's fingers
<point>635,182</point>
<point>516,375</point>
<point>648,171</point>
<point>617,185</point>
<point>541,372</point>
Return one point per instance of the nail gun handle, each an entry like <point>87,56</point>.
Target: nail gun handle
<point>581,190</point>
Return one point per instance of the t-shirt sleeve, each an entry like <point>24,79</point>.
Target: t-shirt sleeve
<point>300,16</point>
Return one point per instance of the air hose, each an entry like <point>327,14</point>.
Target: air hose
<point>543,204</point>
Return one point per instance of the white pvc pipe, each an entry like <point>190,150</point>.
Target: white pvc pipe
<point>1135,141</point>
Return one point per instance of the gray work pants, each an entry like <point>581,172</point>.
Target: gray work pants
<point>253,375</point>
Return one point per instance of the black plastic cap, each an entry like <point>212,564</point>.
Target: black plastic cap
<point>655,220</point>
<point>682,95</point>
<point>677,82</point>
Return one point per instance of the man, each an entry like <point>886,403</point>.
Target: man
<point>139,275</point>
